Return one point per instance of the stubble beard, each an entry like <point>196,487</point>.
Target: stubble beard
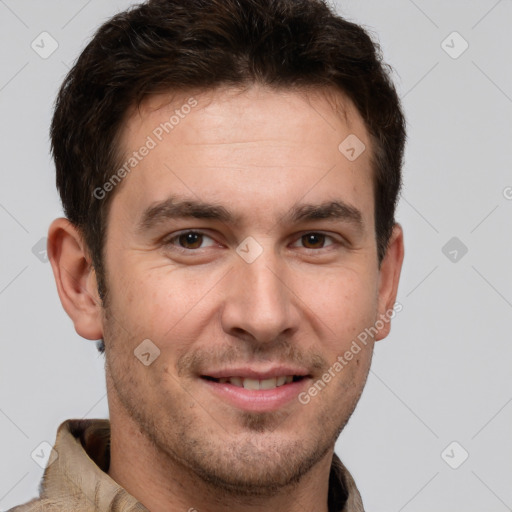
<point>259,461</point>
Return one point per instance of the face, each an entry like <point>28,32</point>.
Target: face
<point>242,245</point>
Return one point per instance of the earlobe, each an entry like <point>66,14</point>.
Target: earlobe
<point>75,278</point>
<point>390,269</point>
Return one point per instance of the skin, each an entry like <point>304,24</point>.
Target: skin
<point>258,152</point>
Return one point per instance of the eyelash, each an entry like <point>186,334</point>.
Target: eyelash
<point>169,241</point>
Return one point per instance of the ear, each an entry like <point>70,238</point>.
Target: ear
<point>75,278</point>
<point>390,269</point>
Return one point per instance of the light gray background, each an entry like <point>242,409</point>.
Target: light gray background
<point>443,374</point>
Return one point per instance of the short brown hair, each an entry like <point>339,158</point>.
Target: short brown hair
<point>167,45</point>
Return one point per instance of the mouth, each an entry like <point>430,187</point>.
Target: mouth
<point>257,391</point>
<point>257,384</point>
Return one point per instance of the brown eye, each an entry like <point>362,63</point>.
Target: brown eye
<point>313,240</point>
<point>190,240</point>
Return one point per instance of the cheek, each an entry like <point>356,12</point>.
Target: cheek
<point>158,302</point>
<point>345,301</point>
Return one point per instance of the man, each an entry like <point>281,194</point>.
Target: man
<point>229,170</point>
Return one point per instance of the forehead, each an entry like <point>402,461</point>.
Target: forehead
<point>244,146</point>
<point>253,114</point>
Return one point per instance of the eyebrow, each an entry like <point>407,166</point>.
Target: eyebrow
<point>336,210</point>
<point>176,208</point>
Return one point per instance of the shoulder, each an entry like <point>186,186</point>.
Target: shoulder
<point>30,506</point>
<point>51,505</point>
<point>34,505</point>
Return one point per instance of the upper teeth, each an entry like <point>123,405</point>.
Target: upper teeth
<point>271,383</point>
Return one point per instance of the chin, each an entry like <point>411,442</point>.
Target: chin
<point>257,465</point>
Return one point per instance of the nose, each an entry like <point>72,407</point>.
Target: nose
<point>260,305</point>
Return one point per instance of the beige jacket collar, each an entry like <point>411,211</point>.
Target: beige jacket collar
<point>76,477</point>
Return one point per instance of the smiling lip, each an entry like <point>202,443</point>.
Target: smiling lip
<point>257,391</point>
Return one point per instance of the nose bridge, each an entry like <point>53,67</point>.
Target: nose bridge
<point>259,302</point>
